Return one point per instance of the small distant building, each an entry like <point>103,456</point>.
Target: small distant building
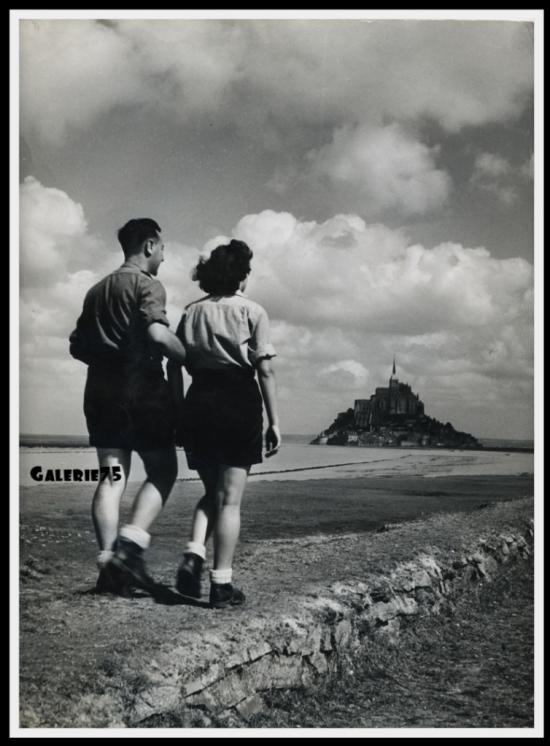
<point>397,399</point>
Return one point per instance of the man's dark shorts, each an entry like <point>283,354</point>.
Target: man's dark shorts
<point>128,410</point>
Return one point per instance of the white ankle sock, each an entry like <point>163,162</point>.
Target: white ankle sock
<point>221,576</point>
<point>136,534</point>
<point>105,556</point>
<point>195,547</point>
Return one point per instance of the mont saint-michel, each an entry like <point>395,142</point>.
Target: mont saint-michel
<point>393,416</point>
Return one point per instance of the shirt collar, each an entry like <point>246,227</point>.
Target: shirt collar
<point>129,266</point>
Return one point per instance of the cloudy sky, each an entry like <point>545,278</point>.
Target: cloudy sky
<point>382,173</point>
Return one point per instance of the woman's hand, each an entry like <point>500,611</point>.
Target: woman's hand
<point>272,440</point>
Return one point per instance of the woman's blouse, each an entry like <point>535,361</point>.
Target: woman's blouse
<point>220,331</point>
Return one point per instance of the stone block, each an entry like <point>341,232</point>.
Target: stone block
<point>229,719</point>
<point>230,690</point>
<point>259,672</point>
<point>381,593</point>
<point>203,679</point>
<point>431,567</point>
<point>154,701</point>
<point>407,605</point>
<point>390,631</point>
<point>424,597</point>
<point>342,633</point>
<point>286,672</point>
<point>319,662</point>
<point>326,640</point>
<point>258,651</point>
<point>250,706</point>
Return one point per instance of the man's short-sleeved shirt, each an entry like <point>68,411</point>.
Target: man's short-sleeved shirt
<point>220,331</point>
<point>116,314</point>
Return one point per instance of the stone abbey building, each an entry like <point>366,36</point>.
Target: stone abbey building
<point>393,416</point>
<point>395,402</point>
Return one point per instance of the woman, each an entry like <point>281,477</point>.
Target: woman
<point>226,337</point>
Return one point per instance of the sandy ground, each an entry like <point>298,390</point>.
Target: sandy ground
<point>316,462</point>
<point>295,535</point>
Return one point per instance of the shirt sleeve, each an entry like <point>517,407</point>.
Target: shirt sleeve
<point>259,345</point>
<point>78,341</point>
<point>152,304</point>
<point>77,344</point>
<point>179,331</point>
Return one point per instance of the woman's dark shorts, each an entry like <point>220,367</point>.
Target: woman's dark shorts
<point>223,419</point>
<point>129,409</point>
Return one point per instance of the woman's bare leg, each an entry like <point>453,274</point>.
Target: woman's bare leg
<point>205,511</point>
<point>229,494</point>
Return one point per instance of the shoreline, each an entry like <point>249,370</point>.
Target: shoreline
<point>514,449</point>
<point>481,449</point>
<point>309,463</point>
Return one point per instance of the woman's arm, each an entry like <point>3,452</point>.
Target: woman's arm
<point>175,384</point>
<point>266,379</point>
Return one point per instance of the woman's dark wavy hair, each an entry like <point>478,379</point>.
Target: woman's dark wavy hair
<point>223,271</point>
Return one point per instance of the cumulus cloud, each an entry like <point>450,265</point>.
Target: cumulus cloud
<point>497,176</point>
<point>489,164</point>
<point>392,170</point>
<point>347,374</point>
<point>333,72</point>
<point>343,296</point>
<point>53,234</point>
<point>347,273</point>
<point>72,72</point>
<point>528,168</point>
<point>59,260</point>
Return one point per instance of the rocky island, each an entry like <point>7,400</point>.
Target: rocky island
<point>392,416</point>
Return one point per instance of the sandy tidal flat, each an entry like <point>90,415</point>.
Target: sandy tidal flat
<point>313,462</point>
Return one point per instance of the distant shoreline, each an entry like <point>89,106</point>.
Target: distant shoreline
<point>45,440</point>
<point>80,442</point>
<point>511,449</point>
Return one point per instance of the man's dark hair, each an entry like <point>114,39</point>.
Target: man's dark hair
<point>135,232</point>
<point>222,272</point>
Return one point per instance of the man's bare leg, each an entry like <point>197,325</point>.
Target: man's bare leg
<point>107,497</point>
<point>161,468</point>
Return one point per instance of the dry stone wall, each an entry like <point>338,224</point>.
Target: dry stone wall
<point>224,675</point>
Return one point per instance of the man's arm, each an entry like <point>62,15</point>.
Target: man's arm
<point>77,344</point>
<point>167,342</point>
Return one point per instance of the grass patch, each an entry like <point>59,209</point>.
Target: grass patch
<point>469,668</point>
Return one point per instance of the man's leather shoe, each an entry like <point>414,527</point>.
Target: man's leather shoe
<point>128,559</point>
<point>112,580</point>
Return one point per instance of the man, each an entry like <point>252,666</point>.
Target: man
<point>122,335</point>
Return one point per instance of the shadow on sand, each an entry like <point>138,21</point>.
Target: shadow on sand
<point>160,593</point>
